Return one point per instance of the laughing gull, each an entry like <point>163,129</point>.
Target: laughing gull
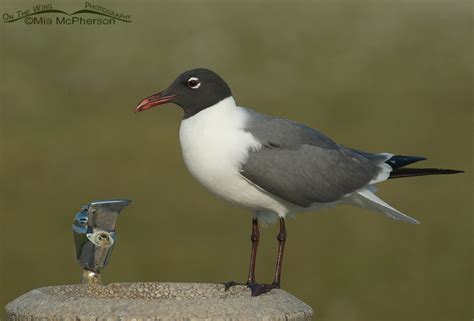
<point>274,167</point>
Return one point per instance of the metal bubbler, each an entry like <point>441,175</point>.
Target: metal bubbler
<point>94,236</point>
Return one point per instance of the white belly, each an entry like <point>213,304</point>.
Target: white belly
<point>214,146</point>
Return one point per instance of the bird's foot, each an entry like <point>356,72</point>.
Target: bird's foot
<point>258,289</point>
<point>230,284</point>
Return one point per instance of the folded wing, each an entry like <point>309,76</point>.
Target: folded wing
<point>302,165</point>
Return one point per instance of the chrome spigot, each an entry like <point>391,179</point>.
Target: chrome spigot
<point>94,236</point>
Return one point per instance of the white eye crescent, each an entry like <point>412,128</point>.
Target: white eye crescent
<point>194,83</point>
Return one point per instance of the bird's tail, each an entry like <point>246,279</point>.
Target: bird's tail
<point>366,198</point>
<point>398,162</point>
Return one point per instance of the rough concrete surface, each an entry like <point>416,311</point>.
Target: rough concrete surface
<point>155,301</point>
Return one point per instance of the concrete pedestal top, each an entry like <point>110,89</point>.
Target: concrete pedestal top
<point>155,301</point>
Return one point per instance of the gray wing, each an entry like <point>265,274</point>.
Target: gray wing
<point>302,165</point>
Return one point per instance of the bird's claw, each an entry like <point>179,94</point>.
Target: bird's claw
<point>230,284</point>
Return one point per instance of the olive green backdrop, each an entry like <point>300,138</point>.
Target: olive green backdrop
<point>381,76</point>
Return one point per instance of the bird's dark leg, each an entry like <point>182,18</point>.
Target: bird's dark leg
<point>258,289</point>
<point>281,237</point>
<point>255,238</point>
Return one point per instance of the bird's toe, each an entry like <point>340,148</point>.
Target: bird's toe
<point>258,289</point>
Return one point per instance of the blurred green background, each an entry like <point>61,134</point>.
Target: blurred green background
<point>390,76</point>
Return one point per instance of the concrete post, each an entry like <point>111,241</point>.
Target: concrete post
<point>153,302</point>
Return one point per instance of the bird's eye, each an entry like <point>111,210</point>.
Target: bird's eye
<point>194,83</point>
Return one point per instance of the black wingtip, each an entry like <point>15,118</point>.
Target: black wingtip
<point>409,172</point>
<point>398,161</point>
<point>451,171</point>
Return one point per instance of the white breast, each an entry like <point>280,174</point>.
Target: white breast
<point>214,145</point>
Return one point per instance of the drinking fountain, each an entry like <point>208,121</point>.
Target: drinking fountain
<point>94,236</point>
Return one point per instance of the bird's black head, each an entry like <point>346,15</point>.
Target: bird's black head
<point>193,90</point>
